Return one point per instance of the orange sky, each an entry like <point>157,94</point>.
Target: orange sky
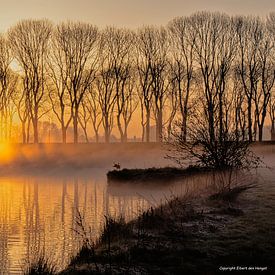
<point>128,13</point>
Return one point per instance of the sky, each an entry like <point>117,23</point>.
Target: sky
<point>122,13</point>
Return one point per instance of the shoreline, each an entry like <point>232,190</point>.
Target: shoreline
<point>184,235</point>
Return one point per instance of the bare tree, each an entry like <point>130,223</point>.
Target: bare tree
<point>107,96</point>
<point>29,40</point>
<point>58,71</point>
<point>153,49</point>
<point>206,69</point>
<point>129,105</point>
<point>272,115</point>
<point>267,78</point>
<point>7,83</point>
<point>271,29</point>
<point>214,55</point>
<point>249,33</point>
<point>93,106</point>
<point>171,105</point>
<point>182,42</point>
<point>77,43</point>
<point>84,118</point>
<point>159,72</point>
<point>239,109</point>
<point>118,47</point>
<point>21,103</point>
<point>144,53</point>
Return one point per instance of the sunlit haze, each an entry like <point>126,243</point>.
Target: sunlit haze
<point>137,136</point>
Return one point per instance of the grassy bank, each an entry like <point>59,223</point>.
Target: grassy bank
<point>186,235</point>
<point>153,175</point>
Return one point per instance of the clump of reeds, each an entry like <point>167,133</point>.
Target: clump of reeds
<point>114,229</point>
<point>40,265</point>
<point>228,185</point>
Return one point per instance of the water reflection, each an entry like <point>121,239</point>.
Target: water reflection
<point>37,214</point>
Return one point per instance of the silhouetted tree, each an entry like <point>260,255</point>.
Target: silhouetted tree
<point>29,40</point>
<point>182,41</point>
<point>208,69</point>
<point>143,56</point>
<point>7,86</point>
<point>267,78</point>
<point>105,83</point>
<point>93,107</point>
<point>77,43</point>
<point>84,118</point>
<point>271,109</point>
<point>249,33</point>
<point>58,71</point>
<point>214,53</point>
<point>119,47</point>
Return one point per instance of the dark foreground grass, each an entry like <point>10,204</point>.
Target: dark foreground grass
<point>40,266</point>
<point>153,175</point>
<point>183,236</point>
<point>230,194</point>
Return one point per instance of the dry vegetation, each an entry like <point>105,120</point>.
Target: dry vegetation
<point>185,235</point>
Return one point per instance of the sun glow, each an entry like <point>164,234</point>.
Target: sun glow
<point>6,153</point>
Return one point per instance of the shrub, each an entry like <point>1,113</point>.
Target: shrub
<point>218,152</point>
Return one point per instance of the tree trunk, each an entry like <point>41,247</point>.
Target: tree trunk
<point>184,126</point>
<point>159,127</point>
<point>86,134</point>
<point>107,134</point>
<point>261,124</point>
<point>143,133</point>
<point>273,130</point>
<point>260,136</point>
<point>75,126</point>
<point>28,130</point>
<point>24,136</point>
<point>211,123</point>
<point>96,137</point>
<point>142,124</point>
<point>1,127</point>
<point>35,130</point>
<point>147,125</point>
<point>250,134</point>
<point>64,134</point>
<point>120,129</point>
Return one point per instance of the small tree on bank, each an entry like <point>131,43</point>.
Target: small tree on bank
<point>228,152</point>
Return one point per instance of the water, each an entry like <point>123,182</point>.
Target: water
<point>38,209</point>
<point>38,213</point>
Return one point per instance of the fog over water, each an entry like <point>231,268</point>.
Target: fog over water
<point>43,187</point>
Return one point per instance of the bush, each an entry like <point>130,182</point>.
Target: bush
<point>218,152</point>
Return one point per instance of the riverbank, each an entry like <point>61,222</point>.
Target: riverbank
<point>187,235</point>
<point>153,175</point>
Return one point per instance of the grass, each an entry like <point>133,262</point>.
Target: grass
<point>115,229</point>
<point>122,246</point>
<point>183,236</point>
<point>230,194</point>
<point>40,266</point>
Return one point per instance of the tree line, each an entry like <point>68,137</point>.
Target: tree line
<point>207,68</point>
